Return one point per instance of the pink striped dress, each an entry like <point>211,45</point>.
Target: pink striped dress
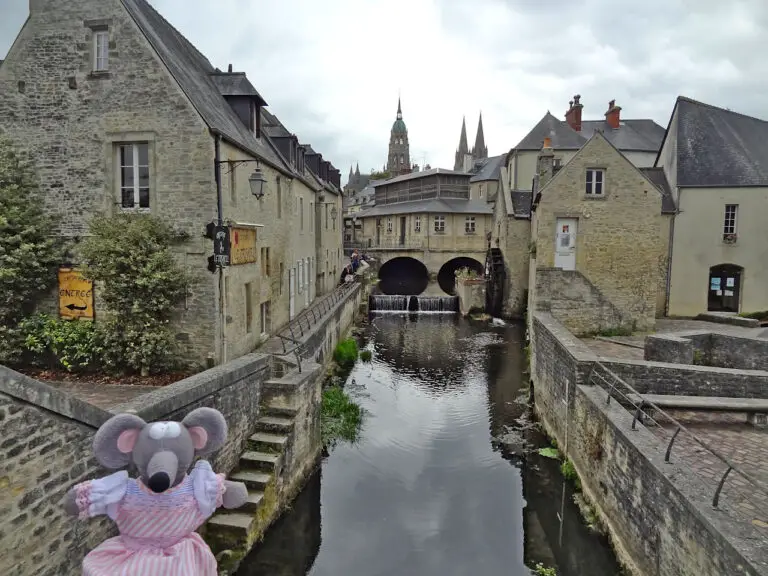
<point>157,531</point>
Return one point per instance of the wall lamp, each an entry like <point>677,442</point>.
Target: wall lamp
<point>255,181</point>
<point>334,210</point>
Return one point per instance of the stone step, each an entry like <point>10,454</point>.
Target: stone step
<point>262,461</point>
<point>253,479</point>
<point>275,424</point>
<point>266,442</point>
<point>252,504</point>
<point>274,408</point>
<point>236,523</point>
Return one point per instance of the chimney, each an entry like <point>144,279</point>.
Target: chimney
<point>573,115</point>
<point>545,163</point>
<point>613,115</point>
<point>229,69</point>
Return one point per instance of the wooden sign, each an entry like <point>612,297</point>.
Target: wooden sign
<point>243,243</point>
<point>75,294</point>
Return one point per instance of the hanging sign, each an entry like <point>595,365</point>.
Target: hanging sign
<point>243,245</point>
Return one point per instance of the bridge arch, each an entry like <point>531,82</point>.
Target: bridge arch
<point>403,275</point>
<point>446,277</point>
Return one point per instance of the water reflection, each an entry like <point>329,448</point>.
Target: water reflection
<point>424,492</point>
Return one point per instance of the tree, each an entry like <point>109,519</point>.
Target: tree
<point>30,250</point>
<point>383,175</point>
<point>142,284</point>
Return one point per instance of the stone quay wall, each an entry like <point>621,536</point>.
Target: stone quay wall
<point>659,515</point>
<point>708,348</point>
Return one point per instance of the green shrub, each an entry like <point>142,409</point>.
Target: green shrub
<point>49,341</point>
<point>340,417</point>
<point>30,250</point>
<point>346,353</point>
<point>541,570</point>
<point>366,355</point>
<point>131,255</point>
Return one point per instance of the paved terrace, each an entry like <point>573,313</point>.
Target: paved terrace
<point>728,434</point>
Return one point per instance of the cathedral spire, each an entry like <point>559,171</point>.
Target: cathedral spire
<point>480,150</point>
<point>463,148</point>
<point>399,110</point>
<point>357,169</point>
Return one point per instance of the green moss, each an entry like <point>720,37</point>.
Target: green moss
<point>755,315</point>
<point>366,355</point>
<point>346,352</point>
<point>340,417</point>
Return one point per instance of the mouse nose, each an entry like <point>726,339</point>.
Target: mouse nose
<point>159,482</point>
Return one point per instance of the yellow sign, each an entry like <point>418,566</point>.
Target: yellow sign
<point>75,294</point>
<point>243,245</point>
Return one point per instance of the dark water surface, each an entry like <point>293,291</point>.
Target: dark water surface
<point>426,491</point>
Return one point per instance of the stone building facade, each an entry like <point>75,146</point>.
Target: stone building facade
<point>598,221</point>
<point>399,155</point>
<point>121,113</point>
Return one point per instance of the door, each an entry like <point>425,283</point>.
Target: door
<point>291,292</point>
<point>565,243</point>
<point>724,288</point>
<point>402,230</point>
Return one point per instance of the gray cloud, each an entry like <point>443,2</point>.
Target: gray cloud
<point>333,75</point>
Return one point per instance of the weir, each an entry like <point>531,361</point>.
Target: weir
<point>415,304</point>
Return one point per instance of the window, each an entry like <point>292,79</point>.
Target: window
<point>440,224</point>
<point>311,216</point>
<point>729,224</point>
<point>469,225</point>
<point>282,274</point>
<point>134,175</point>
<point>301,213</point>
<point>101,51</point>
<point>279,198</point>
<point>402,158</point>
<point>594,182</point>
<point>389,224</point>
<point>300,268</point>
<point>265,265</point>
<point>266,319</point>
<point>248,309</point>
<point>326,216</point>
<point>417,224</point>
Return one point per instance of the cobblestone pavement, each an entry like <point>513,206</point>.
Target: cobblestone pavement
<point>745,446</point>
<point>102,395</point>
<point>606,349</point>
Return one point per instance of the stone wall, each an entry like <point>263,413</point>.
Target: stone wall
<point>659,515</point>
<point>471,295</point>
<point>574,300</point>
<point>708,348</point>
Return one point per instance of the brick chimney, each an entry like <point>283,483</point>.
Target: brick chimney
<point>613,115</point>
<point>573,115</point>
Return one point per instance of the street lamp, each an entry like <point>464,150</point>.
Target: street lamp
<point>256,182</point>
<point>334,213</point>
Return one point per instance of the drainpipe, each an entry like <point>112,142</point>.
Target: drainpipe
<point>669,255</point>
<point>220,221</point>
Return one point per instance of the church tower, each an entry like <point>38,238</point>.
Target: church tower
<point>399,157</point>
<point>465,158</point>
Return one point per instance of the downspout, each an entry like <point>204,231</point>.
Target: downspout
<point>220,222</point>
<point>669,254</point>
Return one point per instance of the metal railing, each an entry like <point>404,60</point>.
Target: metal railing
<point>304,321</point>
<point>645,411</point>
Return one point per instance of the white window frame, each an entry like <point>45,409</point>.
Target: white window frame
<point>136,171</point>
<point>592,181</point>
<point>469,225</point>
<point>390,225</point>
<point>101,60</point>
<point>439,224</point>
<point>417,224</point>
<point>265,317</point>
<point>730,219</point>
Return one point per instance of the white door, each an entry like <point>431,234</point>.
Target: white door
<point>291,291</point>
<point>565,243</point>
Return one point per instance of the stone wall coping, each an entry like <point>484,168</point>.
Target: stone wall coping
<point>154,405</point>
<point>575,347</point>
<point>671,337</point>
<point>50,398</point>
<point>680,367</point>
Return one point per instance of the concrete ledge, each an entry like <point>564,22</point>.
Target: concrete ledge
<point>49,398</point>
<point>732,319</point>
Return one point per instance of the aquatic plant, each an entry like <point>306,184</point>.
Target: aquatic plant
<point>340,417</point>
<point>366,355</point>
<point>549,452</point>
<point>345,353</point>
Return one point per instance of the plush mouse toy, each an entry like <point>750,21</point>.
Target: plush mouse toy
<point>158,512</point>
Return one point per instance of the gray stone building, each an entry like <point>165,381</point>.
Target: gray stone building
<point>466,159</point>
<point>356,181</point>
<point>399,156</point>
<point>122,113</point>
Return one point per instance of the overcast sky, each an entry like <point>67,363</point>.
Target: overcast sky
<point>331,70</point>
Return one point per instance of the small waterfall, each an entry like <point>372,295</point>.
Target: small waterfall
<point>414,304</point>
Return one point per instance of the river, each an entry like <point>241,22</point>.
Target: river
<point>427,490</point>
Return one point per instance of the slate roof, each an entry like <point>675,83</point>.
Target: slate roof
<point>432,206</point>
<point>632,136</point>
<point>521,202</point>
<point>235,84</point>
<point>657,176</point>
<point>422,174</point>
<point>193,72</point>
<point>490,169</point>
<point>561,134</point>
<point>272,126</point>
<point>717,147</point>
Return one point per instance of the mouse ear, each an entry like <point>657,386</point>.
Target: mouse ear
<point>115,440</point>
<point>208,430</point>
